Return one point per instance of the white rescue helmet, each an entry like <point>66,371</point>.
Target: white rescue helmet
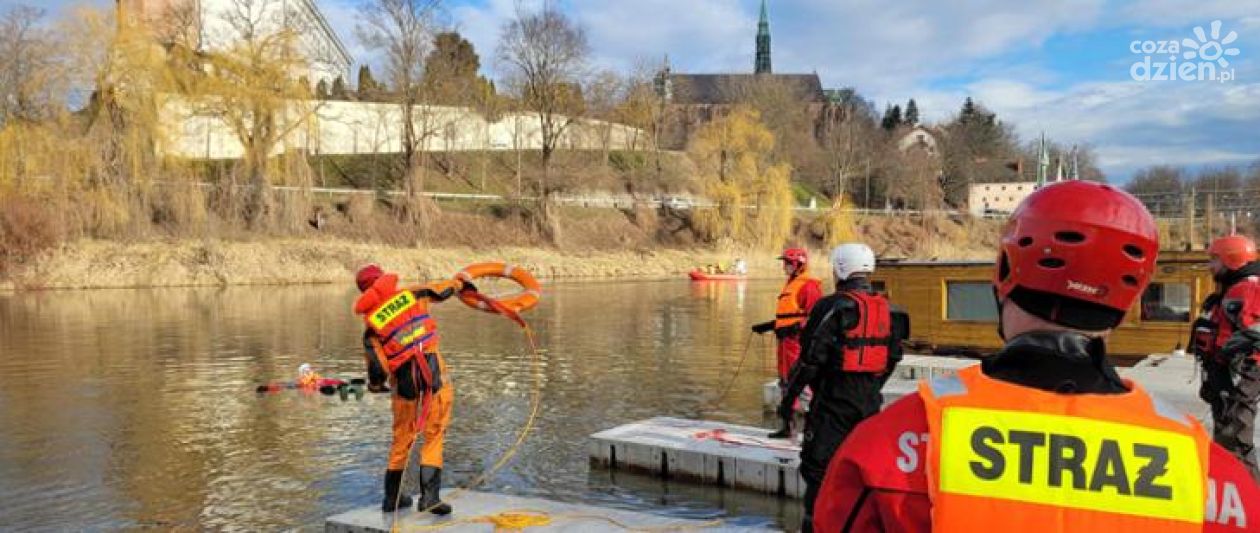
<point>851,258</point>
<point>304,369</point>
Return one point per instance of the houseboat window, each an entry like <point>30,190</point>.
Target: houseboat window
<point>1166,302</point>
<point>970,300</point>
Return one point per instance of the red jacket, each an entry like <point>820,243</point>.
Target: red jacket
<point>877,481</point>
<point>1239,306</point>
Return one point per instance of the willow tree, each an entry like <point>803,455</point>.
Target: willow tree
<point>751,191</point>
<point>252,85</point>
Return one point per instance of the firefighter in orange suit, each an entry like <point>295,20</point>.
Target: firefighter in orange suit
<point>799,294</point>
<point>401,345</point>
<point>1044,435</point>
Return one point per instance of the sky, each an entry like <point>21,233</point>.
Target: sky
<point>1062,67</point>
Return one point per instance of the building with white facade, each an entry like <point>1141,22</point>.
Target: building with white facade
<point>210,25</point>
<point>919,138</point>
<point>986,198</point>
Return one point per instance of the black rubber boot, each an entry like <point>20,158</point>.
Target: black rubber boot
<point>431,488</point>
<point>393,501</point>
<point>785,430</point>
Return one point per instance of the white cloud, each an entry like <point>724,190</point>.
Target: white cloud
<point>1177,13</point>
<point>1131,124</point>
<point>1132,157</point>
<point>699,35</point>
<point>883,47</point>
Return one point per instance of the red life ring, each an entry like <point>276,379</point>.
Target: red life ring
<point>521,301</point>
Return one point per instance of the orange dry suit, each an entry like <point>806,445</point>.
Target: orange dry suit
<point>401,344</point>
<point>795,301</point>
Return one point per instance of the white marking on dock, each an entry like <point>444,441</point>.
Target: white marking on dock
<point>474,509</point>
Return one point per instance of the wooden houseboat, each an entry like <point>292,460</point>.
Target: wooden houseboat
<point>952,309</point>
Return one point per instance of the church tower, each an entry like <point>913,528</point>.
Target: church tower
<point>762,65</point>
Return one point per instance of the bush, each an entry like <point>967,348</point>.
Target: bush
<point>27,227</point>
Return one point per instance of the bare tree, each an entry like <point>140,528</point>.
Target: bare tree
<point>853,147</point>
<point>27,66</point>
<point>605,93</point>
<point>403,31</point>
<point>545,55</point>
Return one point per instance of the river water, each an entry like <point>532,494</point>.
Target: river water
<point>135,408</point>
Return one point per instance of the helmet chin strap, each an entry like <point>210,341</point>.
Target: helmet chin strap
<point>998,302</point>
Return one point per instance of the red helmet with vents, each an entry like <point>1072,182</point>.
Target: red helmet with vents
<point>1234,251</point>
<point>796,256</point>
<point>1079,240</point>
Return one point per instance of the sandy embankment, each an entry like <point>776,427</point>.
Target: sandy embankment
<point>109,264</point>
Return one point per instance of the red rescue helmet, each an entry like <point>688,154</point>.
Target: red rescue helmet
<point>797,256</point>
<point>1077,253</point>
<point>367,276</point>
<point>1234,251</point>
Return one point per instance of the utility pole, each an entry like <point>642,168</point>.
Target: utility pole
<point>868,183</point>
<point>1209,215</point>
<point>1189,216</point>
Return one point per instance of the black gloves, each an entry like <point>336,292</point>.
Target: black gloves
<point>763,327</point>
<point>1241,345</point>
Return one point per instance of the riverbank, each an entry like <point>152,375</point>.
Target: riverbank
<point>600,244</point>
<point>90,264</point>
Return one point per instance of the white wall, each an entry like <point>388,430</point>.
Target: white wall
<point>341,128</point>
<point>320,47</point>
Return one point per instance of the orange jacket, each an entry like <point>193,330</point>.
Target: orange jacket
<point>799,295</point>
<point>399,319</point>
<point>888,474</point>
<point>1003,457</point>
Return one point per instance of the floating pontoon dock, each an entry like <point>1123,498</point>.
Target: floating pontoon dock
<point>477,511</point>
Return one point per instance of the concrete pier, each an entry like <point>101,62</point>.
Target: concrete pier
<point>716,453</point>
<point>478,511</point>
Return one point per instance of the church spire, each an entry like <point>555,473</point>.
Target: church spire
<point>762,65</point>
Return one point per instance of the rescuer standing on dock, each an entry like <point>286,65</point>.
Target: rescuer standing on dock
<point>849,346</point>
<point>797,298</point>
<point>1227,342</point>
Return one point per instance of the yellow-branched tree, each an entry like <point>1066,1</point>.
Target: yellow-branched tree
<point>751,191</point>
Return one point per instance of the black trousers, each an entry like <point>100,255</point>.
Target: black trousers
<point>1233,395</point>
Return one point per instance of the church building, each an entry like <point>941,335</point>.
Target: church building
<point>695,99</point>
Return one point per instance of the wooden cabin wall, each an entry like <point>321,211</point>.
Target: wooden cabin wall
<point>921,289</point>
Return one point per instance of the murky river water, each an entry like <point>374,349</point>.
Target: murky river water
<point>135,408</point>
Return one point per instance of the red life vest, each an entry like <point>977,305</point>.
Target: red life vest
<point>400,320</point>
<point>866,343</point>
<point>1238,308</point>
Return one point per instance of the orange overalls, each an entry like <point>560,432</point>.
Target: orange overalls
<point>402,337</point>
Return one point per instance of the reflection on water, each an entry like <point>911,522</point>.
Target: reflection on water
<point>135,408</point>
